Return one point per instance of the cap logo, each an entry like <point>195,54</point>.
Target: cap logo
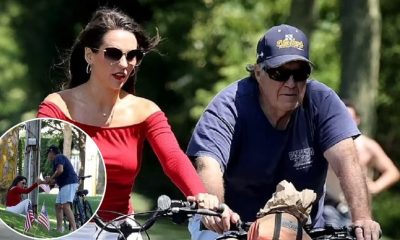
<point>290,42</point>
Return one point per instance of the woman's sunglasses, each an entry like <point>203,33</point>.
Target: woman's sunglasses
<point>282,74</point>
<point>134,56</point>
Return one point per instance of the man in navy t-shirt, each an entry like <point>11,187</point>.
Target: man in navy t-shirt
<point>67,180</point>
<point>276,125</point>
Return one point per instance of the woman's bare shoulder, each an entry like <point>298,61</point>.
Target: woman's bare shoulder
<point>60,99</point>
<point>147,105</point>
<point>140,108</point>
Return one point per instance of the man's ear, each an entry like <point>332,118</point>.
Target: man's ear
<point>257,70</point>
<point>88,55</point>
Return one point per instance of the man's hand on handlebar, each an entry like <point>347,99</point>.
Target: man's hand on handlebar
<point>217,224</point>
<point>223,223</point>
<point>367,229</point>
<point>205,200</point>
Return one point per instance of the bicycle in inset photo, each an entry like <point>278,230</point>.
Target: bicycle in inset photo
<point>81,207</point>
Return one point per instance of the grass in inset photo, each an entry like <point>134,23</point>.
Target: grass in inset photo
<point>17,221</point>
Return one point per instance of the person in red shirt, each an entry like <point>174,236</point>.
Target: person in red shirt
<point>99,97</point>
<point>14,202</point>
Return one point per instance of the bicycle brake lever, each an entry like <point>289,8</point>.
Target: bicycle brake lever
<point>201,211</point>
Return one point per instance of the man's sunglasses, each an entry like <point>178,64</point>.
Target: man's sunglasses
<point>282,74</point>
<point>115,55</point>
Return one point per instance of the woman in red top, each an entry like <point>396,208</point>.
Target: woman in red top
<point>99,98</point>
<point>14,201</point>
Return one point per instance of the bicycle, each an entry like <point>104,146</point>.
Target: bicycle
<point>80,206</point>
<point>180,211</point>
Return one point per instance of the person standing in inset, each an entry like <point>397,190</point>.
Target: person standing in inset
<point>67,180</point>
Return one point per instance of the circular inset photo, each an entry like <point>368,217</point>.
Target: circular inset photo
<point>52,178</point>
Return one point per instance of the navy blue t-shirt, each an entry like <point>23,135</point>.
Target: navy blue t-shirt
<point>254,156</point>
<point>68,176</point>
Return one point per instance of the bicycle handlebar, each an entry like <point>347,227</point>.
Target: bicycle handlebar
<point>182,210</point>
<point>239,231</point>
<point>83,177</point>
<point>177,209</point>
<point>175,206</point>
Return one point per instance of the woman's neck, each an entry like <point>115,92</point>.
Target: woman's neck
<point>102,99</point>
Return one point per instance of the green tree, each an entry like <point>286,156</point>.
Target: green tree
<point>12,69</point>
<point>361,42</point>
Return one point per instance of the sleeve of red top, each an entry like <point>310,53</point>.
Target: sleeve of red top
<point>174,161</point>
<point>49,110</point>
<point>25,190</point>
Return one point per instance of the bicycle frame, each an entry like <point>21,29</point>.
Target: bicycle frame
<point>80,206</point>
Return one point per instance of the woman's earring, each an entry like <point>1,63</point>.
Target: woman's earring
<point>88,68</point>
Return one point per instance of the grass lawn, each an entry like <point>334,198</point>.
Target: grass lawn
<point>17,221</point>
<point>50,199</point>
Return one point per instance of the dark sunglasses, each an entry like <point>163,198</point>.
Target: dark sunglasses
<point>23,183</point>
<point>115,55</point>
<point>282,74</point>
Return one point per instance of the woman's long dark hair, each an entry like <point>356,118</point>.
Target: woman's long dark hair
<point>103,21</point>
<point>16,180</point>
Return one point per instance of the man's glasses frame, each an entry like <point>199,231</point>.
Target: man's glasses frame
<point>115,54</point>
<point>282,74</point>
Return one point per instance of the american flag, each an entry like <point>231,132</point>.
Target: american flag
<point>44,218</point>
<point>29,218</point>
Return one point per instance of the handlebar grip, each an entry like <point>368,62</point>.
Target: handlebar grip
<point>104,226</point>
<point>221,208</point>
<point>233,227</point>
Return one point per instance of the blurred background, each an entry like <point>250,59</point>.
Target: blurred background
<point>206,45</point>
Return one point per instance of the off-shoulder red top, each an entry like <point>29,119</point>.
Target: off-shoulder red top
<point>121,148</point>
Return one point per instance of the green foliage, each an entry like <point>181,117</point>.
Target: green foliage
<point>12,68</point>
<point>387,213</point>
<point>324,53</point>
<point>223,41</point>
<point>45,165</point>
<point>388,117</point>
<point>21,147</point>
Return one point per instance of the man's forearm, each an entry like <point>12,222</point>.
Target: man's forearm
<point>355,191</point>
<point>211,175</point>
<point>56,174</point>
